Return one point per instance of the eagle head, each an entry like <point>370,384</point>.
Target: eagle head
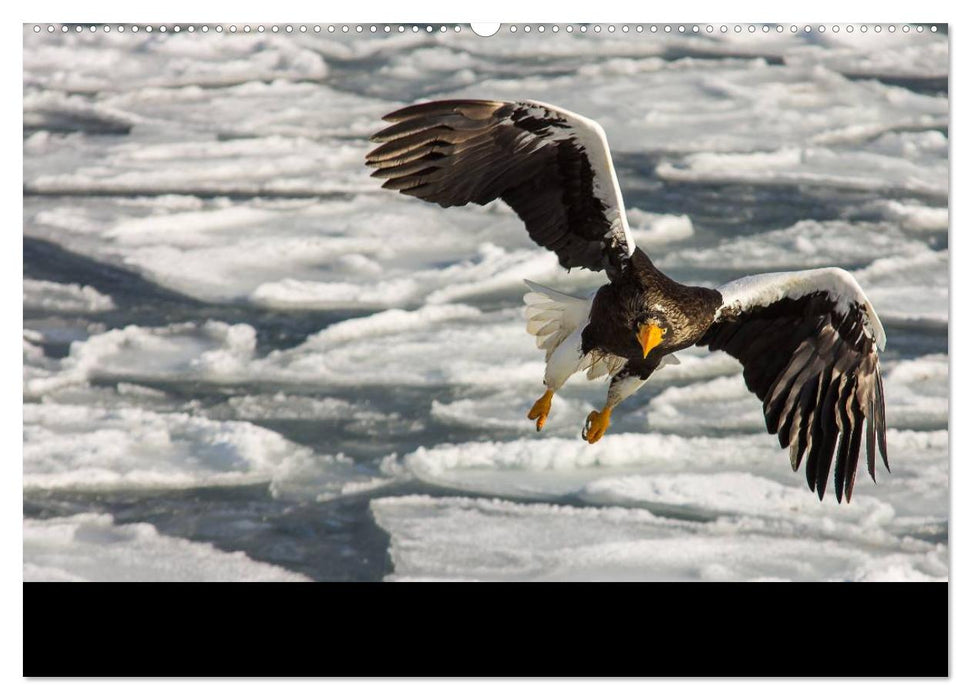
<point>649,331</point>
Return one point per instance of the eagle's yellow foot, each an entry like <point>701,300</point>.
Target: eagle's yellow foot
<point>596,425</point>
<point>541,409</point>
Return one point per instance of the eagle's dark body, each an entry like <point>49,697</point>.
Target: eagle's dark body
<point>642,288</point>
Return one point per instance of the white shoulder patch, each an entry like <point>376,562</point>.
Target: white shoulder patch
<point>837,283</point>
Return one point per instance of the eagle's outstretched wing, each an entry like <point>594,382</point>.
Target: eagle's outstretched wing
<point>551,166</point>
<point>808,343</point>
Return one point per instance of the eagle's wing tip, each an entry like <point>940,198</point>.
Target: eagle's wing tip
<point>398,114</point>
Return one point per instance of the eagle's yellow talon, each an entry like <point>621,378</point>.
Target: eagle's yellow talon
<point>596,425</point>
<point>541,409</point>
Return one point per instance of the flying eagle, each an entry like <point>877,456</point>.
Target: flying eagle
<point>807,340</point>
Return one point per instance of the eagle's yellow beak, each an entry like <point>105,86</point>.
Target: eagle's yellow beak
<point>649,336</point>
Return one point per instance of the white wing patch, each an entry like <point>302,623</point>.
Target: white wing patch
<point>592,138</point>
<point>552,316</point>
<point>840,285</point>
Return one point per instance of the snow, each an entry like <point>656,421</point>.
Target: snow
<point>650,229</point>
<point>41,295</point>
<point>478,539</point>
<point>914,217</point>
<point>905,163</point>
<point>92,547</point>
<point>806,244</point>
<point>912,289</point>
<point>96,449</point>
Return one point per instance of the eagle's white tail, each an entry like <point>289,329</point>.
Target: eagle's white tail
<point>552,316</point>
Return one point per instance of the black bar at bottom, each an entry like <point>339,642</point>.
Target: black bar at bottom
<point>486,630</point>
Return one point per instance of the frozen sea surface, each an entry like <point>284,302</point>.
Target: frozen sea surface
<point>245,361</point>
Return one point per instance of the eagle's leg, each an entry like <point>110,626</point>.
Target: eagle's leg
<point>563,363</point>
<point>596,425</point>
<point>622,385</point>
<point>541,409</point>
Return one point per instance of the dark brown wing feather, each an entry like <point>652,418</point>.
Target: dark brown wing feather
<point>817,373</point>
<point>535,158</point>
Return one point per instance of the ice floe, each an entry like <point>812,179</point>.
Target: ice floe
<point>555,467</point>
<point>92,547</point>
<point>41,295</point>
<point>914,289</point>
<point>804,244</point>
<point>894,163</point>
<point>458,538</point>
<point>86,448</point>
<point>111,62</point>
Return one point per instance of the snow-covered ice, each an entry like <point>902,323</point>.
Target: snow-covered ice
<point>67,298</point>
<point>481,539</point>
<point>91,547</point>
